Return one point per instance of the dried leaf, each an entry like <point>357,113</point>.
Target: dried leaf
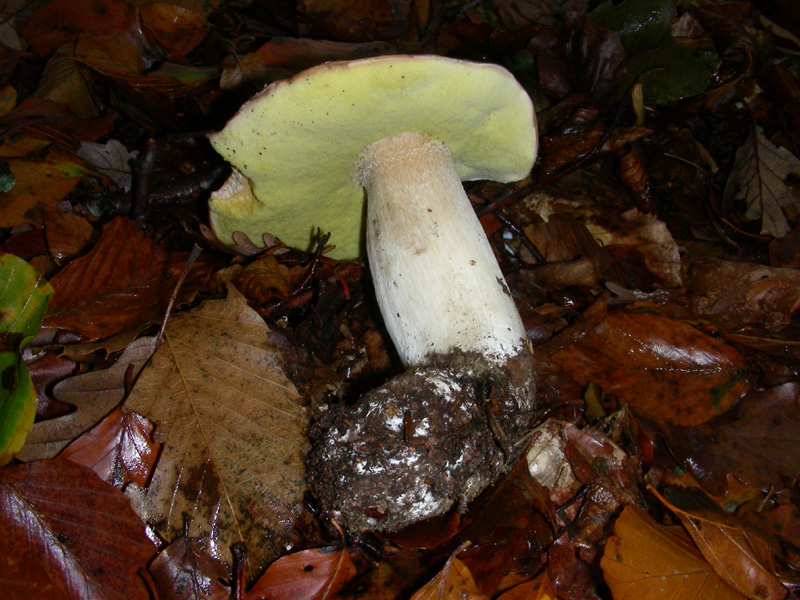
<point>124,281</point>
<point>453,582</point>
<point>94,395</point>
<point>308,575</point>
<point>67,234</point>
<point>111,159</point>
<point>66,81</point>
<point>663,369</point>
<point>645,560</point>
<point>233,432</point>
<point>119,449</point>
<point>538,589</point>
<point>47,510</point>
<point>758,178</point>
<point>177,29</point>
<point>184,571</point>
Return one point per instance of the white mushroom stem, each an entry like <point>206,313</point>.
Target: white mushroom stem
<point>437,281</point>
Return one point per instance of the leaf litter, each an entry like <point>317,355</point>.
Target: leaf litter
<point>653,254</point>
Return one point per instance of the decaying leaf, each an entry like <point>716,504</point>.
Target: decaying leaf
<point>184,571</point>
<point>758,179</point>
<point>94,395</point>
<point>644,560</point>
<point>233,432</point>
<point>46,510</point>
<point>315,574</point>
<point>663,369</point>
<point>119,449</point>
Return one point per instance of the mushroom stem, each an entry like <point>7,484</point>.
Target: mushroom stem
<point>436,278</point>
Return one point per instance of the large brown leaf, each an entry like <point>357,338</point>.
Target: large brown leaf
<point>68,535</point>
<point>315,574</point>
<point>645,560</point>
<point>124,282</point>
<point>665,370</point>
<point>233,430</point>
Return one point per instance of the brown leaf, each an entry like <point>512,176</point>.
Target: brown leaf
<point>741,557</point>
<point>453,582</point>
<point>124,282</point>
<point>68,535</point>
<point>645,560</point>
<point>538,589</point>
<point>307,575</point>
<point>67,234</point>
<point>109,55</point>
<point>184,571</point>
<point>119,449</point>
<point>59,22</point>
<point>233,430</point>
<point>177,29</point>
<point>757,447</point>
<point>663,369</point>
<point>94,395</point>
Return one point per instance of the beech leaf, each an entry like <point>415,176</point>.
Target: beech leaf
<point>644,560</point>
<point>233,429</point>
<point>68,535</point>
<point>184,571</point>
<point>119,449</point>
<point>453,582</point>
<point>665,370</point>
<point>308,575</point>
<point>758,179</point>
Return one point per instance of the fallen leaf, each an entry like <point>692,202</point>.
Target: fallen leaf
<point>644,560</point>
<point>66,81</point>
<point>738,554</point>
<point>453,582</point>
<point>23,300</point>
<point>67,234</point>
<point>308,575</point>
<point>665,370</point>
<point>758,178</point>
<point>185,571</point>
<point>119,449</point>
<point>111,159</point>
<point>47,509</point>
<point>44,181</point>
<point>177,29</point>
<point>94,395</point>
<point>125,281</point>
<point>757,447</point>
<point>538,589</point>
<point>233,429</point>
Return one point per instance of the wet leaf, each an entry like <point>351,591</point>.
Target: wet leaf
<point>125,281</point>
<point>537,589</point>
<point>453,582</point>
<point>308,575</point>
<point>645,560</point>
<point>233,432</point>
<point>177,29</point>
<point>111,159</point>
<point>758,179</point>
<point>67,234</point>
<point>663,369</point>
<point>46,510</point>
<point>119,449</point>
<point>184,571</point>
<point>23,300</point>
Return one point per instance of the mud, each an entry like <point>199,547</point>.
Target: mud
<point>430,439</point>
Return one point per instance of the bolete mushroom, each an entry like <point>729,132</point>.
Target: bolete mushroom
<point>408,130</point>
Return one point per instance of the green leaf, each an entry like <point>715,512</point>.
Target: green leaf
<point>668,71</point>
<point>639,24</point>
<point>23,301</point>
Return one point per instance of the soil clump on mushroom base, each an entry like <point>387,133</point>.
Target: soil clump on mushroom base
<point>429,439</point>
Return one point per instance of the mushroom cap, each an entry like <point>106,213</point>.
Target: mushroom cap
<point>297,141</point>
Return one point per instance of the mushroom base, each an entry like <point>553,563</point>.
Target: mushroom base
<point>428,440</point>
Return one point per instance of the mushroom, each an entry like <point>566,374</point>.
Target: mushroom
<point>408,130</point>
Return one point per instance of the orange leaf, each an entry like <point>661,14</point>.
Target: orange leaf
<point>306,575</point>
<point>540,588</point>
<point>645,560</point>
<point>453,582</point>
